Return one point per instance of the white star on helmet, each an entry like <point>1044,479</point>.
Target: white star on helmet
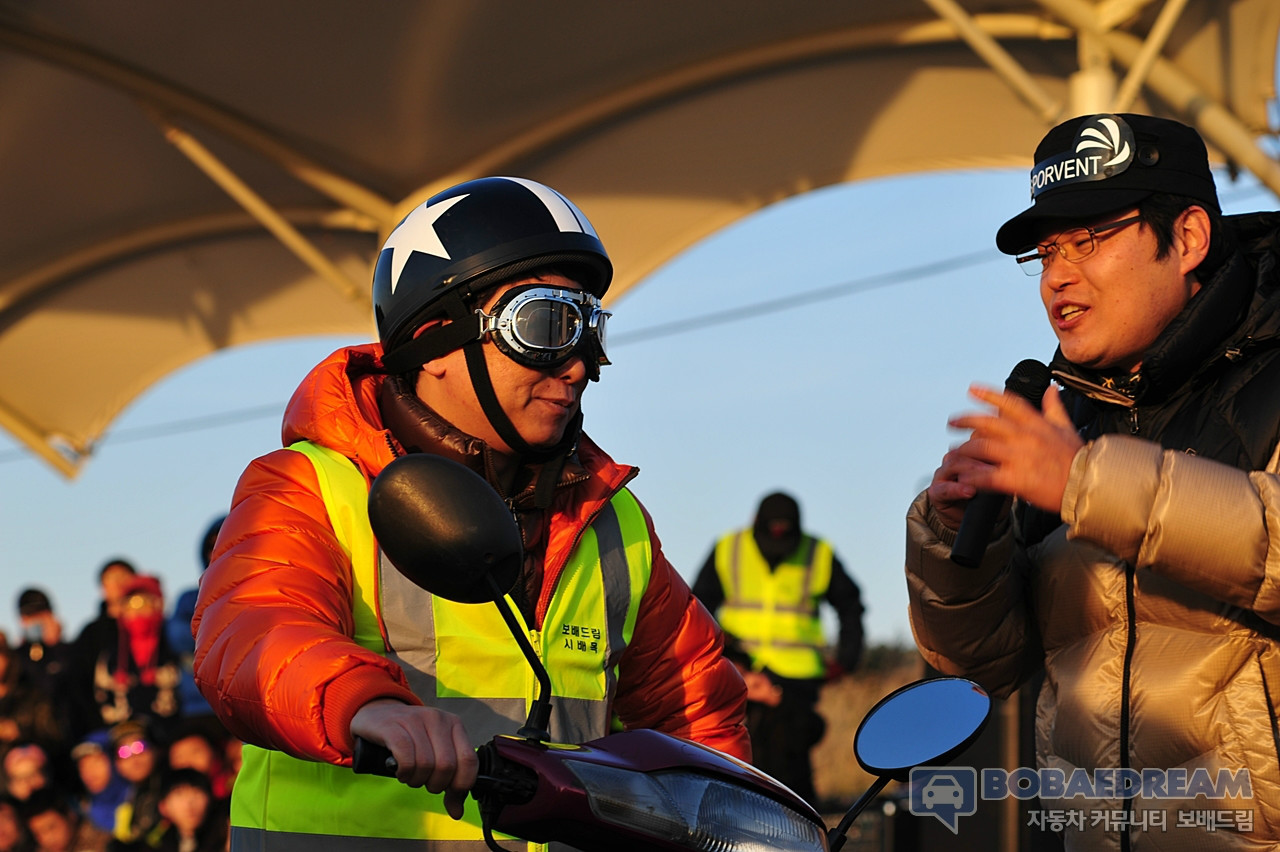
<point>417,233</point>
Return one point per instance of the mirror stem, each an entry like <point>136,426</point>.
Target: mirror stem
<point>838,835</point>
<point>535,727</point>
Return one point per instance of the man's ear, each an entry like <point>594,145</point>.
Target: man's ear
<point>434,367</point>
<point>1191,234</point>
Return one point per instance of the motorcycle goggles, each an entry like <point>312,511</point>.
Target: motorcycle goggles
<point>543,327</point>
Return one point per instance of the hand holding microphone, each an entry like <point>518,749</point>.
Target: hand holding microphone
<point>1029,379</point>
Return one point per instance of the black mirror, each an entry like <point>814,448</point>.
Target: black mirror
<point>926,722</point>
<point>445,528</point>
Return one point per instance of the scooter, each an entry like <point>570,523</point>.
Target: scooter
<point>449,532</point>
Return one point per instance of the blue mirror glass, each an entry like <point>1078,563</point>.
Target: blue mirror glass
<point>922,723</point>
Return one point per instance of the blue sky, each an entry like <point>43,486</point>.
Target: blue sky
<point>816,347</point>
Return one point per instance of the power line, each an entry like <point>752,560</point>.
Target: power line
<point>195,424</point>
<point>801,299</point>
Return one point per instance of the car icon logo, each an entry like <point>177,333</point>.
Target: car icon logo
<point>946,794</point>
<point>942,790</point>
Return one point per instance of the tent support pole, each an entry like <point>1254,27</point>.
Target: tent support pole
<point>258,207</point>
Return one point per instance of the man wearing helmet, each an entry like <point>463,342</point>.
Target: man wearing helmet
<point>487,299</point>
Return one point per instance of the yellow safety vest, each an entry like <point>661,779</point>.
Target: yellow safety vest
<point>774,613</point>
<point>460,658</point>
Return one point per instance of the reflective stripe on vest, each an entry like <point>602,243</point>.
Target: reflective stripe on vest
<point>774,613</point>
<point>460,658</point>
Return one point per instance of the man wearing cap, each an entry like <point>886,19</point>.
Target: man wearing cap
<point>1139,569</point>
<point>42,654</point>
<point>487,302</point>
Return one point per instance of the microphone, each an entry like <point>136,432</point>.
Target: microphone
<point>1029,380</point>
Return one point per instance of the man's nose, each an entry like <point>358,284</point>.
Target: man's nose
<point>1057,270</point>
<point>574,370</point>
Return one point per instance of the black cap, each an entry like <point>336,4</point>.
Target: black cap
<point>33,602</point>
<point>1096,164</point>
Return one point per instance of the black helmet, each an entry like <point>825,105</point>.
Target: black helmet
<point>473,236</point>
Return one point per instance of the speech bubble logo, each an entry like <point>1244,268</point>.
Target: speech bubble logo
<point>945,793</point>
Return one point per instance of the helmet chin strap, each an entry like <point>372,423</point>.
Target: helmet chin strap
<point>479,372</point>
<point>552,459</point>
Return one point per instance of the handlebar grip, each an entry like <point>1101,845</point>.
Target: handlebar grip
<point>369,758</point>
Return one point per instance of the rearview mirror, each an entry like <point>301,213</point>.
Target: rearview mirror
<point>929,721</point>
<point>445,528</point>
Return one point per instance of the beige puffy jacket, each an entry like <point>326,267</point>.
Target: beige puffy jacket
<point>1202,686</point>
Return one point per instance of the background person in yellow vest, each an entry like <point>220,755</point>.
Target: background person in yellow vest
<point>766,584</point>
<point>487,303</point>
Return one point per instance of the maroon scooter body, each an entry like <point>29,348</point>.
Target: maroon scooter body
<point>559,808</point>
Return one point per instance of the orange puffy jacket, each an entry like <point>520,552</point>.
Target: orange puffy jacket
<point>273,621</point>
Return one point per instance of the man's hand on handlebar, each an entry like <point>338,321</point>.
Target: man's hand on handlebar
<point>430,746</point>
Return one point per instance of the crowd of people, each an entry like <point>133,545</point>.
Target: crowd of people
<point>105,744</point>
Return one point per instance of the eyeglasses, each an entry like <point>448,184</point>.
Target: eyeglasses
<point>1074,246</point>
<point>542,327</point>
<point>131,749</point>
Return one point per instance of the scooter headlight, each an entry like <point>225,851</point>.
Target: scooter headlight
<point>696,811</point>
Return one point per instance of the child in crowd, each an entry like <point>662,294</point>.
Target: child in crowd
<point>192,820</point>
<point>137,761</point>
<point>103,789</point>
<point>56,826</point>
<point>27,768</point>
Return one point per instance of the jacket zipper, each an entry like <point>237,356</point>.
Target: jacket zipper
<point>1131,639</point>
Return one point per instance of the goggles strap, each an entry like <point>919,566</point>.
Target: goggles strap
<point>432,344</point>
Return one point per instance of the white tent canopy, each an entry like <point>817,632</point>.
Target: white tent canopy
<point>179,178</point>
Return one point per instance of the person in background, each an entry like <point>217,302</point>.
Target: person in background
<point>192,819</point>
<point>138,677</point>
<point>56,826</point>
<point>192,748</point>
<point>195,709</point>
<point>100,633</point>
<point>25,712</point>
<point>43,653</point>
<point>487,298</point>
<point>27,768</point>
<point>1138,568</point>
<point>103,790</point>
<point>766,585</point>
<point>113,576</point>
<point>13,831</point>
<point>45,656</point>
<point>138,761</point>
